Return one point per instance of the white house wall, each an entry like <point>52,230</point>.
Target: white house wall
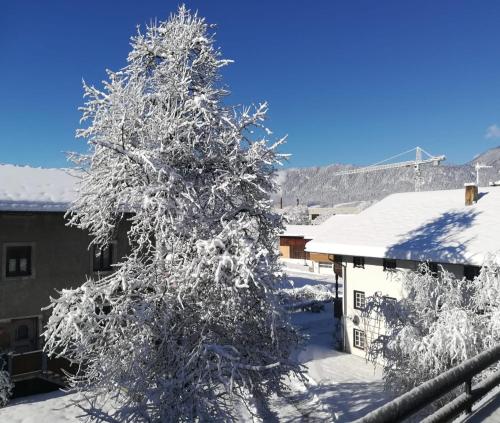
<point>371,279</point>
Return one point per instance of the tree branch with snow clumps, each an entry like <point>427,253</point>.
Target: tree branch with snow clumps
<point>441,321</point>
<point>189,320</point>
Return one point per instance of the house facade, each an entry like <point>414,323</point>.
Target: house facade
<point>371,250</point>
<point>40,254</point>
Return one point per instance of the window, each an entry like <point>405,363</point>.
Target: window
<point>359,339</point>
<point>22,333</point>
<point>358,262</point>
<point>470,272</point>
<point>102,258</point>
<point>389,264</point>
<point>359,300</point>
<point>429,266</point>
<point>18,261</point>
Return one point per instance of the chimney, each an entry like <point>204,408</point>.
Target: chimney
<point>471,194</point>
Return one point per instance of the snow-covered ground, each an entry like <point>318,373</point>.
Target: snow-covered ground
<point>341,387</point>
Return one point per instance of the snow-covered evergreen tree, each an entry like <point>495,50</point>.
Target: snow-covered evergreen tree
<point>188,321</point>
<point>440,322</point>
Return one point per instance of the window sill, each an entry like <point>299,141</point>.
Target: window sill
<point>18,278</point>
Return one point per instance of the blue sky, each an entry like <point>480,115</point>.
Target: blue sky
<point>350,82</point>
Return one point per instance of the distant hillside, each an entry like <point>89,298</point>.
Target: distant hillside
<point>318,185</point>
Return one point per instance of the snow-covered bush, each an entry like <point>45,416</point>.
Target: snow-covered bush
<point>189,321</point>
<point>305,294</point>
<point>6,385</point>
<point>441,322</point>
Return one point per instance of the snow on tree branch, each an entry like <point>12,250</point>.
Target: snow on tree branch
<point>441,321</point>
<point>189,321</point>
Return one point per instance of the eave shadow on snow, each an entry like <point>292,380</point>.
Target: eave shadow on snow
<point>436,240</point>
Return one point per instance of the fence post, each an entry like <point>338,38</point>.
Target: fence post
<point>468,392</point>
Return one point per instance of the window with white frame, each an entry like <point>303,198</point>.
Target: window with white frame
<point>18,260</point>
<point>359,339</point>
<point>359,300</point>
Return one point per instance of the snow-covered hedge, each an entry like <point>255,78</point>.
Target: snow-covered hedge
<point>296,297</point>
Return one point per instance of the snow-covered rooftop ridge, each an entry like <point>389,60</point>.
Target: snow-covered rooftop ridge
<point>25,188</point>
<point>432,225</point>
<point>312,231</point>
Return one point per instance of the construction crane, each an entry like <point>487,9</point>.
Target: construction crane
<point>478,167</point>
<point>422,157</point>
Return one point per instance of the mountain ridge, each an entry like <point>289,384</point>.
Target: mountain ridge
<point>319,186</point>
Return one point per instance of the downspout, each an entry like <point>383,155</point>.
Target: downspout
<point>344,314</point>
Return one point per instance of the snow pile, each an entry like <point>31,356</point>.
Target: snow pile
<point>24,188</point>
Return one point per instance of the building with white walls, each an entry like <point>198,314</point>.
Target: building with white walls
<point>396,235</point>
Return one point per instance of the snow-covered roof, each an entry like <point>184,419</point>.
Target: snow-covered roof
<point>24,188</point>
<point>433,225</point>
<point>305,231</point>
<point>312,231</point>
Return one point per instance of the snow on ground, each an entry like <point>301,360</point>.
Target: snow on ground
<point>341,387</point>
<point>53,407</point>
<point>346,386</point>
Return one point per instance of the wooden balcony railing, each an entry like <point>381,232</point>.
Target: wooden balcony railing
<point>421,396</point>
<point>33,364</point>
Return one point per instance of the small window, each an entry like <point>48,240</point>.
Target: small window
<point>433,267</point>
<point>18,261</point>
<point>359,339</point>
<point>470,272</point>
<point>102,258</point>
<point>359,300</point>
<point>430,266</point>
<point>389,264</point>
<point>22,333</point>
<point>358,262</point>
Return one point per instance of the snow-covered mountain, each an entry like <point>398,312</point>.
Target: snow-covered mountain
<point>319,185</point>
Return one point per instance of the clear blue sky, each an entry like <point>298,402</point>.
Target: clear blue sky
<point>348,81</point>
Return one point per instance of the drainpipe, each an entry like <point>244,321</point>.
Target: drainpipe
<point>344,314</point>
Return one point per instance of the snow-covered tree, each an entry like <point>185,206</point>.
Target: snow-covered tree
<point>6,385</point>
<point>296,215</point>
<point>440,322</point>
<point>189,321</point>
